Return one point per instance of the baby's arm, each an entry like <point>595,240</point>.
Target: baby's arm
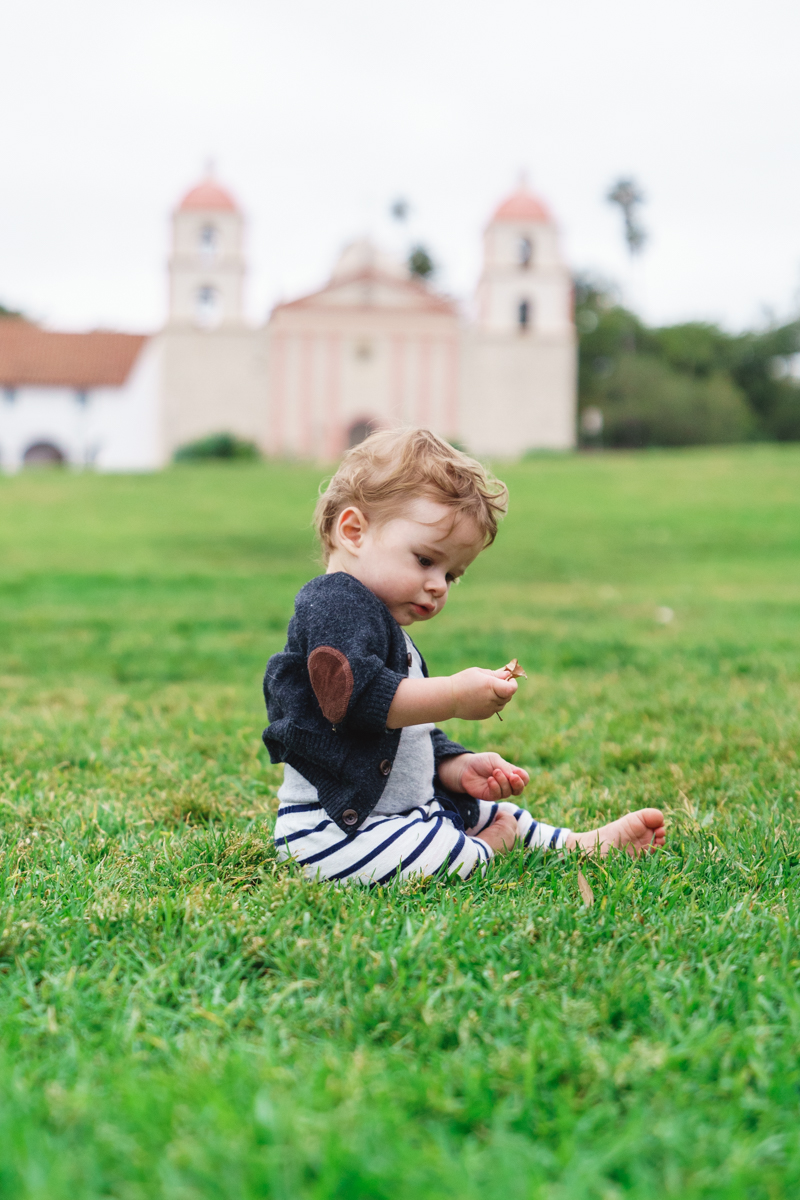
<point>473,695</point>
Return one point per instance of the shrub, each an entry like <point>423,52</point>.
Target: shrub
<point>217,445</point>
<point>785,416</point>
<point>646,403</point>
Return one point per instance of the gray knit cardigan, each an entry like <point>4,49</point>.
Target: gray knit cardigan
<point>328,695</point>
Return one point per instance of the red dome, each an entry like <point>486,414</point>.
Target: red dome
<point>522,205</point>
<point>208,194</point>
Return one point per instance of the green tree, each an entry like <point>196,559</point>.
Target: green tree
<point>645,402</point>
<point>760,365</point>
<point>420,263</point>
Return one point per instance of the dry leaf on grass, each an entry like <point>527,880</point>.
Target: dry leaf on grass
<point>586,892</point>
<point>514,671</point>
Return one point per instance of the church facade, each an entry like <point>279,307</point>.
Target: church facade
<point>374,347</point>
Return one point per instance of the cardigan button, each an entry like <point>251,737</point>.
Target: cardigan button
<point>409,659</point>
<point>385,767</point>
<point>350,816</point>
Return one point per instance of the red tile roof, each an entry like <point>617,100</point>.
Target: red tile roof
<point>209,195</point>
<point>522,205</point>
<point>34,356</point>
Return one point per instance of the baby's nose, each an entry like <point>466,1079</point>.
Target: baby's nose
<point>436,587</point>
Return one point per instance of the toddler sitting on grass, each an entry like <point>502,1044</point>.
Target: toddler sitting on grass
<point>372,789</point>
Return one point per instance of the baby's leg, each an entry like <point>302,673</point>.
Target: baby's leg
<point>635,832</point>
<point>530,833</point>
<point>422,841</point>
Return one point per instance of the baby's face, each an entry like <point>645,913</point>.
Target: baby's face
<point>410,561</point>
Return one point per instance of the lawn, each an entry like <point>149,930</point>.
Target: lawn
<point>181,1017</point>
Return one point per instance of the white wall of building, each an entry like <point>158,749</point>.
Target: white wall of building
<point>125,424</point>
<point>108,428</point>
<point>213,381</point>
<point>517,394</point>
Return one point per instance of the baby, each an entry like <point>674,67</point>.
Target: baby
<point>372,789</point>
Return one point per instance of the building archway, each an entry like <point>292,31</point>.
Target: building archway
<point>43,454</point>
<point>359,430</point>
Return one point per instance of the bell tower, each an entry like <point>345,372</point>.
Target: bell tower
<point>525,288</point>
<point>519,361</point>
<point>206,266</point>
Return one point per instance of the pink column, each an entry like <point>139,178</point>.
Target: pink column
<point>451,406</point>
<point>306,346</point>
<point>424,384</point>
<point>277,438</point>
<point>397,378</point>
<point>334,440</point>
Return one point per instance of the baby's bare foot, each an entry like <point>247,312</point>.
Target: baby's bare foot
<point>636,832</point>
<point>501,834</point>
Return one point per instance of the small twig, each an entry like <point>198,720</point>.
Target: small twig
<point>515,671</point>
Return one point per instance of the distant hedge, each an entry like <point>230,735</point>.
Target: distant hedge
<point>682,385</point>
<point>646,403</point>
<point>217,445</point>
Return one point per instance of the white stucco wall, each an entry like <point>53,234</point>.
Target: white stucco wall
<point>116,429</point>
<point>213,382</point>
<point>518,394</point>
<point>125,424</point>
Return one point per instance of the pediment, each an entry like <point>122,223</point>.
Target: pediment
<point>374,289</point>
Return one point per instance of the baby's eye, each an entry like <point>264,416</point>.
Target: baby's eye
<point>423,561</point>
<point>452,578</point>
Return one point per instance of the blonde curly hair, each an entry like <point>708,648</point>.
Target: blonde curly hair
<point>392,467</point>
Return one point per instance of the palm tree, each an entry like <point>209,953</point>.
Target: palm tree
<point>627,195</point>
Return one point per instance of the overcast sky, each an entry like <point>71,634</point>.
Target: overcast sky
<point>318,113</point>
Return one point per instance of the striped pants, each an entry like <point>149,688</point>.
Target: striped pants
<point>422,841</point>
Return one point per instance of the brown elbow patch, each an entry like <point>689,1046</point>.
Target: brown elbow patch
<point>332,681</point>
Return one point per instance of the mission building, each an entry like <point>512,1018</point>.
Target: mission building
<point>374,347</point>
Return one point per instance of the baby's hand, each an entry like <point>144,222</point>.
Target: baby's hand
<point>483,776</point>
<point>479,693</point>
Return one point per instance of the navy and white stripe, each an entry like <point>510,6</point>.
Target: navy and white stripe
<point>422,841</point>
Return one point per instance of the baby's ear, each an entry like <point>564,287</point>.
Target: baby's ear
<point>350,527</point>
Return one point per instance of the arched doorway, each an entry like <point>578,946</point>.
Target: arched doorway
<point>360,430</point>
<point>43,454</point>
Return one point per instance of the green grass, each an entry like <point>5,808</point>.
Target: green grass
<point>180,1017</point>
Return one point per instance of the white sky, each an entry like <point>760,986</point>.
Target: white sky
<point>318,114</point>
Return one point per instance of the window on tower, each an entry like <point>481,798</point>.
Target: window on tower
<point>208,309</point>
<point>209,242</point>
<point>525,252</point>
<point>524,315</point>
